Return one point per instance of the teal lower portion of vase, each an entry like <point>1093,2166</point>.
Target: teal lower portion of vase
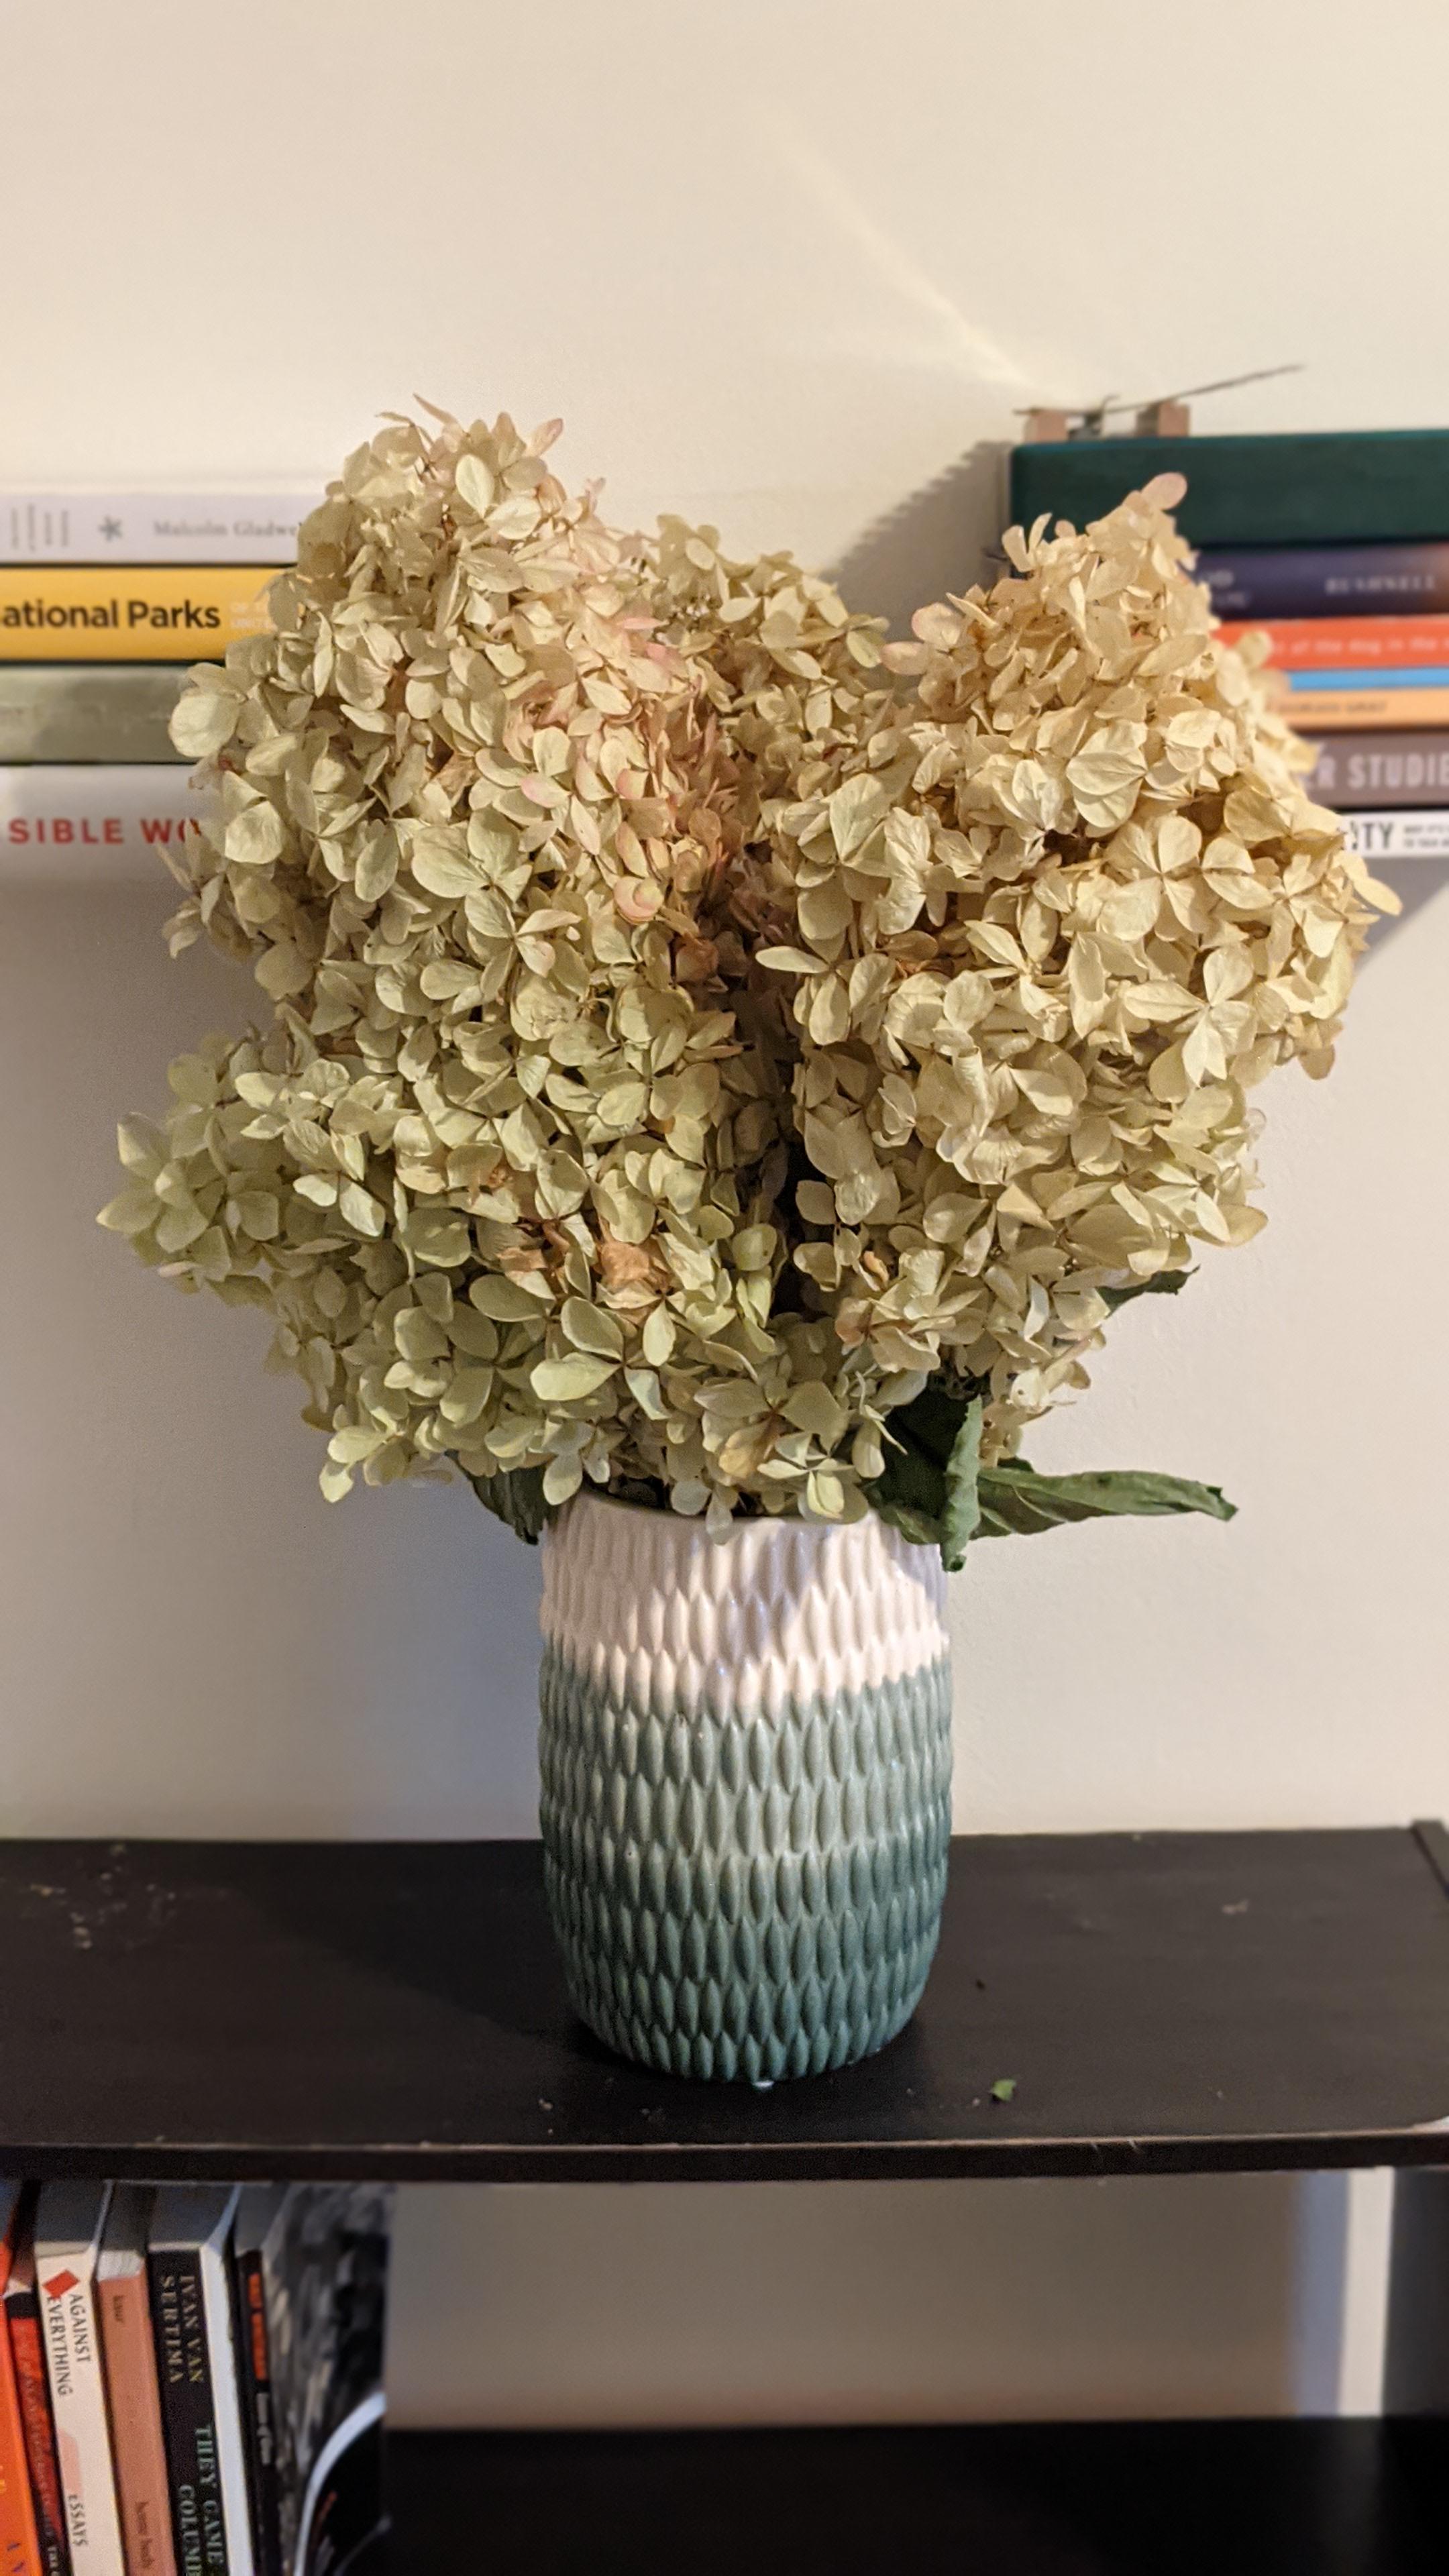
<point>746,1896</point>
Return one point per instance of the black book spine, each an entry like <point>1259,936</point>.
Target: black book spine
<point>1363,772</point>
<point>188,2411</point>
<point>259,2410</point>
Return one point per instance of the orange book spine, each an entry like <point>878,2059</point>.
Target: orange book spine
<point>135,2411</point>
<point>1361,710</point>
<point>1346,643</point>
<point>20,2551</point>
<point>34,2401</point>
<point>19,2541</point>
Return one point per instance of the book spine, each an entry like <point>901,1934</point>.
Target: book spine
<point>1325,581</point>
<point>57,714</point>
<point>137,613</point>
<point>82,2435</point>
<point>226,2400</point>
<point>151,527</point>
<point>1365,772</point>
<point>1348,644</point>
<point>19,2539</point>
<point>258,2407</point>
<point>188,2412</point>
<point>1365,710</point>
<point>22,2310</point>
<point>1406,678</point>
<point>141,2481</point>
<point>1399,835</point>
<point>100,822</point>
<point>1319,488</point>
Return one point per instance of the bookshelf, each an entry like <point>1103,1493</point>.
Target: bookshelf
<point>1352,2498</point>
<point>1162,2003</point>
<point>1183,2003</point>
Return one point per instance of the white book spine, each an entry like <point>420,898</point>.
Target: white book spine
<point>152,527</point>
<point>78,2399</point>
<point>226,2402</point>
<point>94,823</point>
<point>1400,833</point>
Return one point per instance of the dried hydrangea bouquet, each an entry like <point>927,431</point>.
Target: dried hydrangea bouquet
<point>720,1076</point>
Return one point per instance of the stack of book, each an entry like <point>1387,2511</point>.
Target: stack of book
<point>1336,546</point>
<point>191,2379</point>
<point>1360,636</point>
<point>105,601</point>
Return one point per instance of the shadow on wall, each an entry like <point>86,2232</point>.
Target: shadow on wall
<point>934,541</point>
<point>1415,882</point>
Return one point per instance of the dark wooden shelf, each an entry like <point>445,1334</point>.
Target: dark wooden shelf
<point>1162,2003</point>
<point>1341,2498</point>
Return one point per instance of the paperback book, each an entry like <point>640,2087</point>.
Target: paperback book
<point>258,2212</point>
<point>1255,582</point>
<point>196,2366</point>
<point>1350,645</point>
<point>25,2336</point>
<point>68,2228</point>
<point>132,2386</point>
<point>1400,835</point>
<point>1360,704</point>
<point>1367,771</point>
<point>67,820</point>
<point>152,527</point>
<point>80,712</point>
<point>135,613</point>
<point>19,2537</point>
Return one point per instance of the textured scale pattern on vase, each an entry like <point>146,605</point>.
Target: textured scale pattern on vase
<point>746,1769</point>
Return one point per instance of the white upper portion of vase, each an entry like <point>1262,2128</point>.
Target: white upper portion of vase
<point>649,1607</point>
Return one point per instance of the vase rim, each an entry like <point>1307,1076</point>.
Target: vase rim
<point>695,1522</point>
<point>671,1519</point>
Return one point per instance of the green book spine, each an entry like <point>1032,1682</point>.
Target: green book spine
<point>1347,487</point>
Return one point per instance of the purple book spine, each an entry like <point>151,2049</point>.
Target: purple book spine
<point>1325,581</point>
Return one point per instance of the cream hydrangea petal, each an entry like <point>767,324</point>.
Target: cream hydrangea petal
<point>687,1023</point>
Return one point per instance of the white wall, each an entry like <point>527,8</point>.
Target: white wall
<point>785,263</point>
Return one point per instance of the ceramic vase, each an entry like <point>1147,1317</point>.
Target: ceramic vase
<point>746,1770</point>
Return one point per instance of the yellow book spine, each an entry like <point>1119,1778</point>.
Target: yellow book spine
<point>129,612</point>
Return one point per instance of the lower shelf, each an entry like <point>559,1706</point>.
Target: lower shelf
<point>1297,2498</point>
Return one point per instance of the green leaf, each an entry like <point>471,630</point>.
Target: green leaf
<point>1016,1501</point>
<point>1163,1283</point>
<point>962,1511</point>
<point>923,1529</point>
<point>516,1495</point>
<point>912,1490</point>
<point>1003,2089</point>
